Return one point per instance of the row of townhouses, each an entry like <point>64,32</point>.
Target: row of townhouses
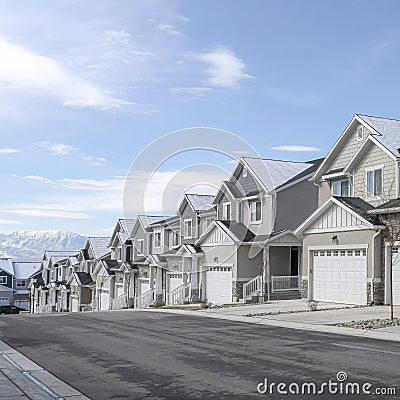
<point>275,229</point>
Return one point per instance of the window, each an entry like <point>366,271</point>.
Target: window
<point>3,280</point>
<point>226,211</point>
<point>175,238</point>
<point>119,253</point>
<point>188,228</point>
<point>209,221</point>
<point>255,211</point>
<point>244,172</point>
<point>374,182</point>
<point>140,248</point>
<point>340,188</point>
<point>360,132</point>
<point>157,239</point>
<point>21,283</point>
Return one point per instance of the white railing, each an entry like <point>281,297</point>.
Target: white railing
<point>252,288</point>
<point>120,302</point>
<point>47,308</point>
<point>88,307</point>
<point>284,283</point>
<point>145,299</point>
<point>179,295</point>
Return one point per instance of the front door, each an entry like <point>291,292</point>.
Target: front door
<point>294,261</point>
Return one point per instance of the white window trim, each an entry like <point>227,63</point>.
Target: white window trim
<point>369,169</point>
<point>359,139</point>
<point>191,228</point>
<point>3,280</point>
<point>18,283</point>
<point>223,210</point>
<point>159,243</point>
<point>341,180</point>
<point>140,249</point>
<point>258,221</point>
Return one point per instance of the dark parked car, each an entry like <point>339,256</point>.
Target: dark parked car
<point>10,310</point>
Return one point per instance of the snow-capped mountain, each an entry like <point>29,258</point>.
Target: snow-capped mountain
<point>30,245</point>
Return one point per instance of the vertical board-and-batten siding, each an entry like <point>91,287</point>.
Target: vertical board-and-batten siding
<point>217,236</point>
<point>348,151</point>
<point>375,156</point>
<point>337,217</point>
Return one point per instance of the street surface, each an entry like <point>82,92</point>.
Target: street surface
<point>155,355</point>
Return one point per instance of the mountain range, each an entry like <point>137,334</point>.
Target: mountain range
<point>30,245</point>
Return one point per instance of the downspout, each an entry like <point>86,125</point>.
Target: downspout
<point>373,265</point>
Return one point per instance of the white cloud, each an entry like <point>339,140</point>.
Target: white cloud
<point>56,149</point>
<point>291,147</point>
<point>8,150</point>
<point>226,70</point>
<point>61,149</point>
<point>24,71</point>
<point>94,161</point>
<point>11,222</point>
<point>168,29</point>
<point>35,211</point>
<point>193,92</point>
<point>183,18</point>
<point>119,36</point>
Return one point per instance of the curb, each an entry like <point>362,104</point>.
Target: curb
<point>285,324</point>
<point>44,380</point>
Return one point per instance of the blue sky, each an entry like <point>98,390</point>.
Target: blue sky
<point>86,85</point>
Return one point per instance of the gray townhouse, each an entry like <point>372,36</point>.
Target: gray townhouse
<point>249,249</point>
<point>345,257</point>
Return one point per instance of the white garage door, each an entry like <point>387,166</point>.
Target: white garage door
<point>175,280</point>
<point>144,286</point>
<point>105,300</point>
<point>340,276</point>
<point>4,301</point>
<point>396,276</point>
<point>22,304</point>
<point>219,284</point>
<point>74,304</point>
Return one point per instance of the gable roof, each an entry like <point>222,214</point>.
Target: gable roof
<point>147,220</point>
<point>197,202</point>
<point>388,129</point>
<point>355,205</point>
<point>6,265</point>
<point>385,133</point>
<point>236,231</point>
<point>24,270</point>
<point>99,245</point>
<point>83,278</point>
<point>273,174</point>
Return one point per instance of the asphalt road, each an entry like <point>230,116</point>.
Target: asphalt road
<point>151,355</point>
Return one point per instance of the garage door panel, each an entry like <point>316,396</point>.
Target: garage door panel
<point>340,276</point>
<point>396,276</point>
<point>219,284</point>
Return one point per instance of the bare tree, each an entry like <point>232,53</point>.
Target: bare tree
<point>390,221</point>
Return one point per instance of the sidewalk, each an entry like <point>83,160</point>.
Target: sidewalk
<point>20,378</point>
<point>294,314</point>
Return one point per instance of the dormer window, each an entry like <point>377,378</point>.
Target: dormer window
<point>244,172</point>
<point>140,247</point>
<point>360,132</point>
<point>188,228</point>
<point>374,180</point>
<point>340,188</point>
<point>226,211</point>
<point>157,239</point>
<point>255,211</point>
